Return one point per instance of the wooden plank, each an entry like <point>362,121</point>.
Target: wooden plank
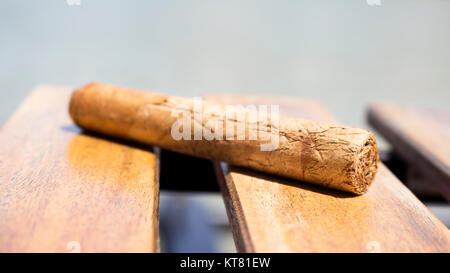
<point>273,214</point>
<point>420,136</point>
<point>62,190</point>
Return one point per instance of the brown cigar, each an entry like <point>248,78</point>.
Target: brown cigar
<point>334,156</point>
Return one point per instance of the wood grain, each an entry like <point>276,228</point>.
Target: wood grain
<point>273,214</point>
<point>62,190</point>
<point>420,136</point>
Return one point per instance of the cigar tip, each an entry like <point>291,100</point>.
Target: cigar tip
<point>74,102</point>
<point>366,165</point>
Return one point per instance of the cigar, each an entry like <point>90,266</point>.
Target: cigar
<point>334,156</point>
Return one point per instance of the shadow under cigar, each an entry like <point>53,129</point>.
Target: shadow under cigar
<point>75,129</point>
<point>292,182</point>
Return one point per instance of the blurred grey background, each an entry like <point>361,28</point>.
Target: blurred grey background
<point>343,53</point>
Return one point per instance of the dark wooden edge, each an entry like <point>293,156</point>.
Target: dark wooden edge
<point>156,242</point>
<point>425,163</point>
<point>236,216</point>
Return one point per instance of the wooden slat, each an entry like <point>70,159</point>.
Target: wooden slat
<point>273,214</point>
<point>420,136</point>
<point>62,190</point>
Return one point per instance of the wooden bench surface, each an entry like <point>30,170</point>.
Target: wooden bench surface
<point>66,191</point>
<point>273,214</point>
<point>420,136</point>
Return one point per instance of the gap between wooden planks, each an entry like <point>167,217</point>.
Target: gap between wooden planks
<point>420,136</point>
<point>62,190</point>
<point>273,214</point>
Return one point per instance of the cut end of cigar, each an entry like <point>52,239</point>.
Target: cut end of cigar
<point>73,105</point>
<point>366,165</point>
<point>75,100</point>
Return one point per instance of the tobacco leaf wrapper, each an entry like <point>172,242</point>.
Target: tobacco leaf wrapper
<point>333,156</point>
